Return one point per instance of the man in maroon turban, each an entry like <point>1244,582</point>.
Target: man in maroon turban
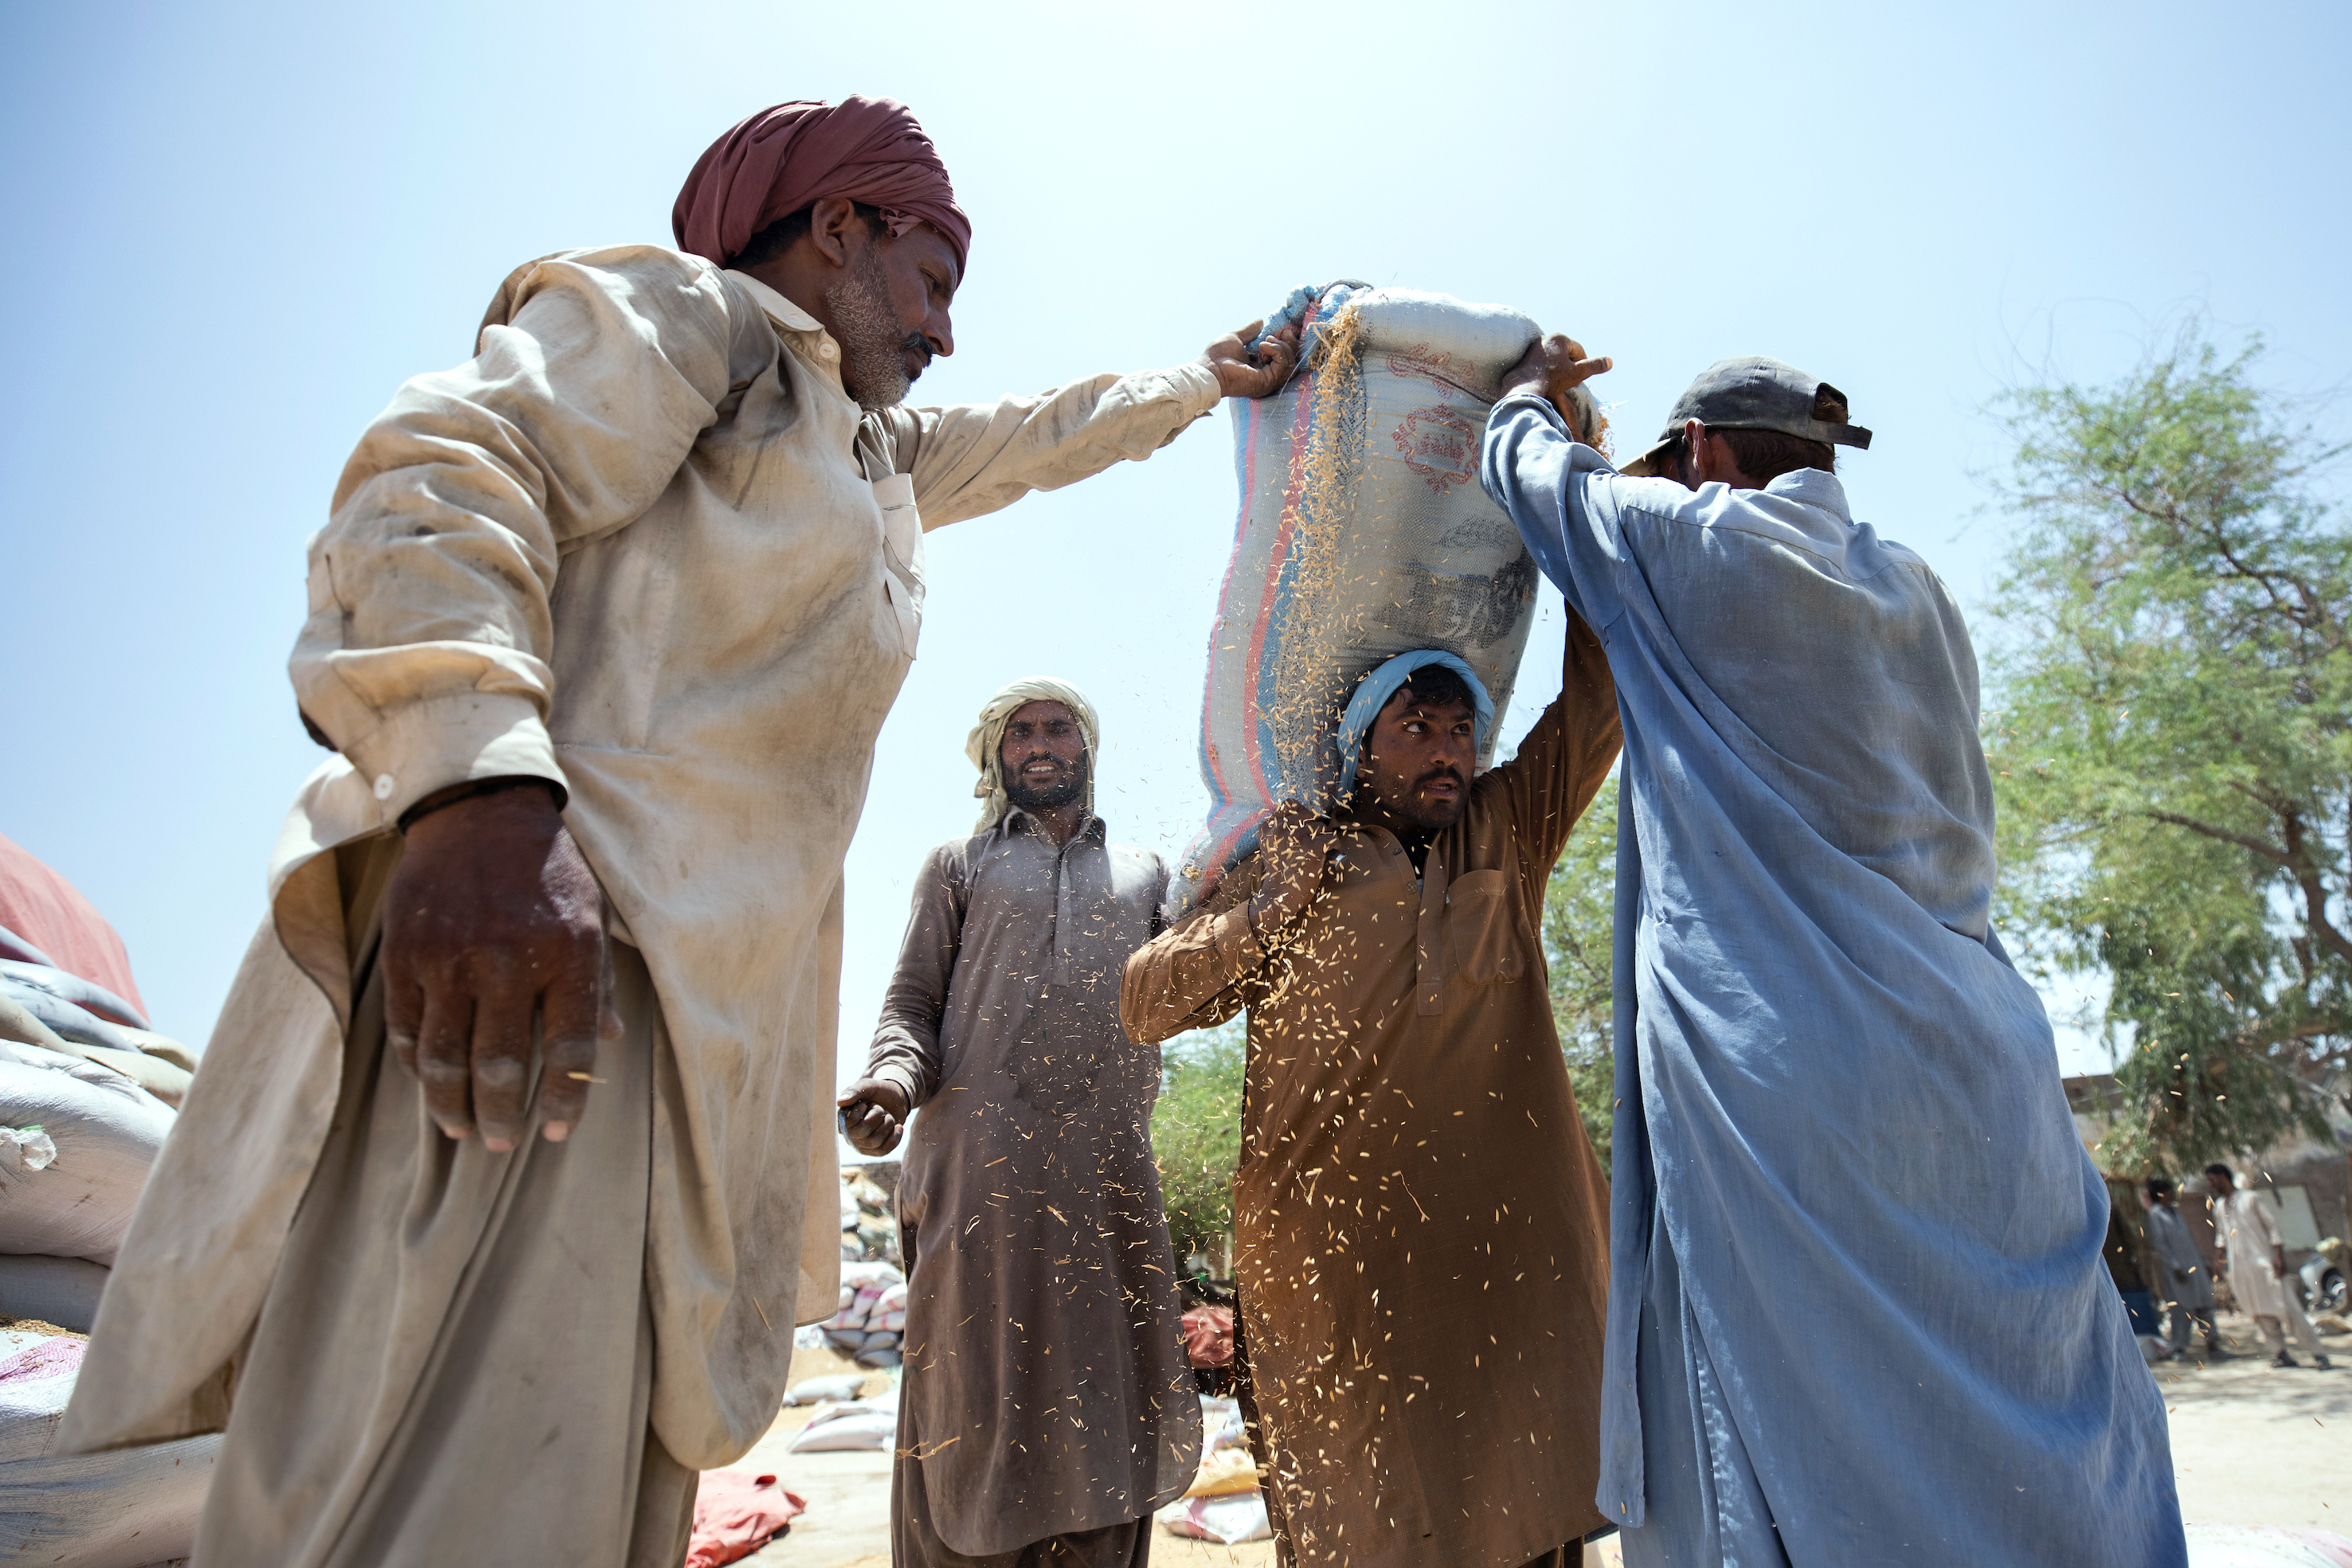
<point>510,1166</point>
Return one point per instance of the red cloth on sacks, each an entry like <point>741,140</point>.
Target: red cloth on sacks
<point>1209,1336</point>
<point>869,150</point>
<point>735,1512</point>
<point>50,913</point>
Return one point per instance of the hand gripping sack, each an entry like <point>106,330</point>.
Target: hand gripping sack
<point>1363,534</point>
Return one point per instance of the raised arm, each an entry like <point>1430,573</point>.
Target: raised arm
<point>904,1063</point>
<point>1555,490</point>
<point>1199,973</point>
<point>1561,765</point>
<point>977,458</point>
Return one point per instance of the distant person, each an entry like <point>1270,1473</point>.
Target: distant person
<point>1048,1406</point>
<point>2258,1274</point>
<point>1856,1311</point>
<point>2121,1250</point>
<point>2188,1283</point>
<point>1419,1219</point>
<point>510,1168</point>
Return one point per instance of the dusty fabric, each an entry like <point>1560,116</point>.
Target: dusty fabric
<point>58,926</point>
<point>1046,1391</point>
<point>915,1544</point>
<point>984,745</point>
<point>782,159</point>
<point>1831,1083</point>
<point>2189,1280</point>
<point>1419,1230</point>
<point>439,1305</point>
<point>643,546</point>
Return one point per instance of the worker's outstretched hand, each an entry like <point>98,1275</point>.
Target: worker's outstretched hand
<point>1549,369</point>
<point>873,1113</point>
<point>1292,845</point>
<point>492,917</point>
<point>1261,372</point>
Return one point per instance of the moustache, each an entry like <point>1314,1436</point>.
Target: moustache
<point>915,343</point>
<point>1443,771</point>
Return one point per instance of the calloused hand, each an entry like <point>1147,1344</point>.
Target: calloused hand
<point>492,916</point>
<point>1549,369</point>
<point>1292,845</point>
<point>873,1113</point>
<point>1244,372</point>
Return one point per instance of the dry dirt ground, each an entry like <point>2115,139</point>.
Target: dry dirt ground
<point>2251,1444</point>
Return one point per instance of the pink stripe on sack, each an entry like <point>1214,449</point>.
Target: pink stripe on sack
<point>1241,525</point>
<point>1301,427</point>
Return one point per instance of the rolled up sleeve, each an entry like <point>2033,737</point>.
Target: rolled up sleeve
<point>976,458</point>
<point>1195,975</point>
<point>426,656</point>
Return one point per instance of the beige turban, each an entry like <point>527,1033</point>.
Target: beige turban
<point>986,744</point>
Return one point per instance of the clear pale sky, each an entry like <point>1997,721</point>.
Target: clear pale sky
<point>234,229</point>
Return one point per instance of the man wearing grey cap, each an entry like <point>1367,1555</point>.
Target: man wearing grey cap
<point>1837,1332</point>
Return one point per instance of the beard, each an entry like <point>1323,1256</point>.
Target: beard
<point>873,350</point>
<point>1066,786</point>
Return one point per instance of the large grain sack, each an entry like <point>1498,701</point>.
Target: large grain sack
<point>73,1198</point>
<point>60,1290</point>
<point>127,1508</point>
<point>2266,1546</point>
<point>1363,534</point>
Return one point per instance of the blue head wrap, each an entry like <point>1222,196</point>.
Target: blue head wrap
<point>1383,684</point>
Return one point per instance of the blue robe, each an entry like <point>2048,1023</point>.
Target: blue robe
<point>1857,1312</point>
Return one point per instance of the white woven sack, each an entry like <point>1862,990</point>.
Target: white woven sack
<point>106,1131</point>
<point>120,1509</point>
<point>60,1291</point>
<point>1363,533</point>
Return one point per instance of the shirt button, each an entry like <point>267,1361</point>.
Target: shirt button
<point>826,351</point>
<point>384,786</point>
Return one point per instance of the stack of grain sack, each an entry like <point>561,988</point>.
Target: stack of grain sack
<point>872,1322</point>
<point>86,1097</point>
<point>869,1231</point>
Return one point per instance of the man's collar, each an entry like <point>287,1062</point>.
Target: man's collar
<point>1814,487</point>
<point>1017,820</point>
<point>785,314</point>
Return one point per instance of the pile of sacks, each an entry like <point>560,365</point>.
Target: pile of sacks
<point>868,1230</point>
<point>86,1097</point>
<point>872,1322</point>
<point>1225,1502</point>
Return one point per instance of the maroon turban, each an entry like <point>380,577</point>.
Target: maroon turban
<point>868,150</point>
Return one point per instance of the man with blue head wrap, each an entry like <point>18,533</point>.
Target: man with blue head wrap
<point>1420,1223</point>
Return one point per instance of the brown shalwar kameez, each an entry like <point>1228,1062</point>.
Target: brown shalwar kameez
<point>1048,1407</point>
<point>1420,1225</point>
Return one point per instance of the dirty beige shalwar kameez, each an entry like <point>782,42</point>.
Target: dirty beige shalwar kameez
<point>1047,1397</point>
<point>1421,1225</point>
<point>643,544</point>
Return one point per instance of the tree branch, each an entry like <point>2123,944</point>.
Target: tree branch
<point>2267,849</point>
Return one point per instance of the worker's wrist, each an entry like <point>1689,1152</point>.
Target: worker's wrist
<point>473,788</point>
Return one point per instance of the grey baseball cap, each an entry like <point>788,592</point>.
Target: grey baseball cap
<point>1755,393</point>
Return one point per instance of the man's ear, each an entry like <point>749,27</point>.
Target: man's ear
<point>837,231</point>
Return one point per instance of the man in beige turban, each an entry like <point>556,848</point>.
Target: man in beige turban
<point>1047,1406</point>
<point>487,1219</point>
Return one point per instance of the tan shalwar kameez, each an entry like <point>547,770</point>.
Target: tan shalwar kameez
<point>1421,1225</point>
<point>1048,1406</point>
<point>643,545</point>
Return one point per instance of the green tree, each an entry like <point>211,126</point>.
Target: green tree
<point>2172,744</point>
<point>1196,1132</point>
<point>1579,938</point>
